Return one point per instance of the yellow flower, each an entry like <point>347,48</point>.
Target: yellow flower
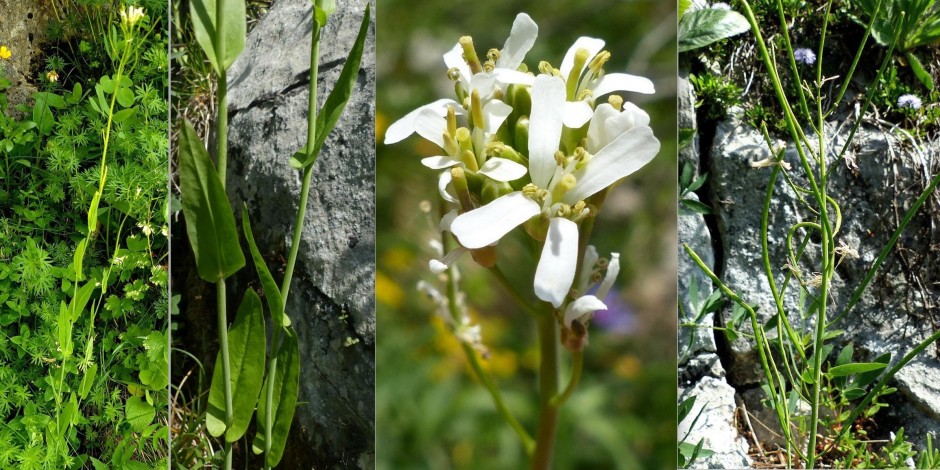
<point>53,76</point>
<point>5,52</point>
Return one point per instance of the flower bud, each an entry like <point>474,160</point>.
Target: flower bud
<point>459,180</point>
<point>520,138</point>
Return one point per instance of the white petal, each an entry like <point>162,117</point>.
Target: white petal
<point>627,153</point>
<point>597,131</point>
<point>576,114</point>
<point>585,305</point>
<point>439,162</point>
<point>448,219</point>
<point>404,127</point>
<point>486,225</point>
<point>484,83</point>
<point>432,126</point>
<point>545,123</point>
<point>559,260</point>
<point>439,266</point>
<point>622,82</point>
<point>442,183</point>
<point>592,45</point>
<point>613,268</point>
<point>587,265</point>
<point>495,113</point>
<point>640,118</point>
<point>520,41</point>
<point>513,77</point>
<point>502,169</point>
<point>454,59</point>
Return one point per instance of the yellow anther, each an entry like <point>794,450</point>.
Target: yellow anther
<point>616,101</point>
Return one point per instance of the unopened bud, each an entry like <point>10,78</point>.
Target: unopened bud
<point>459,180</point>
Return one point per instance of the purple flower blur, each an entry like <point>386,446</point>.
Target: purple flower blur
<point>618,319</point>
<point>804,56</point>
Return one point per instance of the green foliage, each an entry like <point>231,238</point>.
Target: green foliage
<point>84,368</point>
<point>914,23</point>
<point>715,95</point>
<point>704,26</point>
<point>205,23</point>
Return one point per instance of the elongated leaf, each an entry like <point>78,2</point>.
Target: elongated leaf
<point>918,68</point>
<point>246,347</point>
<point>65,330</point>
<point>856,368</point>
<point>78,258</point>
<point>87,381</point>
<point>82,296</point>
<point>203,14</point>
<point>286,383</point>
<point>271,291</point>
<point>335,103</point>
<point>700,28</point>
<point>210,223</point>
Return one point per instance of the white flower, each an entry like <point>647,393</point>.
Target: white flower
<point>585,79</point>
<point>583,308</point>
<point>623,143</point>
<point>130,15</point>
<point>521,38</point>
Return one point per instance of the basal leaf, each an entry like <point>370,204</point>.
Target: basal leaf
<point>286,383</point>
<point>203,15</point>
<point>700,28</point>
<point>271,291</point>
<point>209,220</point>
<point>246,345</point>
<point>336,102</point>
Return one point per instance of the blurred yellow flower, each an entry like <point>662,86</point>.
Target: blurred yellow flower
<point>52,76</point>
<point>5,53</point>
<point>387,291</point>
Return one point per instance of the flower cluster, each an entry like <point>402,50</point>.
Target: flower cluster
<point>130,15</point>
<point>538,151</point>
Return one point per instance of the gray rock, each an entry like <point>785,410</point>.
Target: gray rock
<point>873,196</point>
<point>22,30</point>
<point>701,339</point>
<point>686,120</point>
<point>714,398</point>
<point>331,300</point>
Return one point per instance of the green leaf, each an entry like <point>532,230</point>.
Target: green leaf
<point>76,94</point>
<point>866,378</point>
<point>78,258</point>
<point>856,368</point>
<point>138,413</point>
<point>65,330</point>
<point>87,381</point>
<point>124,114</point>
<point>93,212</point>
<point>271,291</point>
<point>203,15</point>
<point>686,137</point>
<point>696,206</point>
<point>685,407</point>
<point>246,345</point>
<point>335,103</point>
<point>700,28</point>
<point>922,74</point>
<point>286,383</point>
<point>125,97</point>
<point>210,223</point>
<point>42,110</point>
<point>80,300</point>
<point>326,6</point>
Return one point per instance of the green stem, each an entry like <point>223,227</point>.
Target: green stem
<point>577,366</point>
<point>226,368</point>
<point>548,388</point>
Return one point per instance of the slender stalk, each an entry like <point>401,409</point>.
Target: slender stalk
<point>548,388</point>
<point>298,231</point>
<point>221,148</point>
<point>226,368</point>
<point>577,359</point>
